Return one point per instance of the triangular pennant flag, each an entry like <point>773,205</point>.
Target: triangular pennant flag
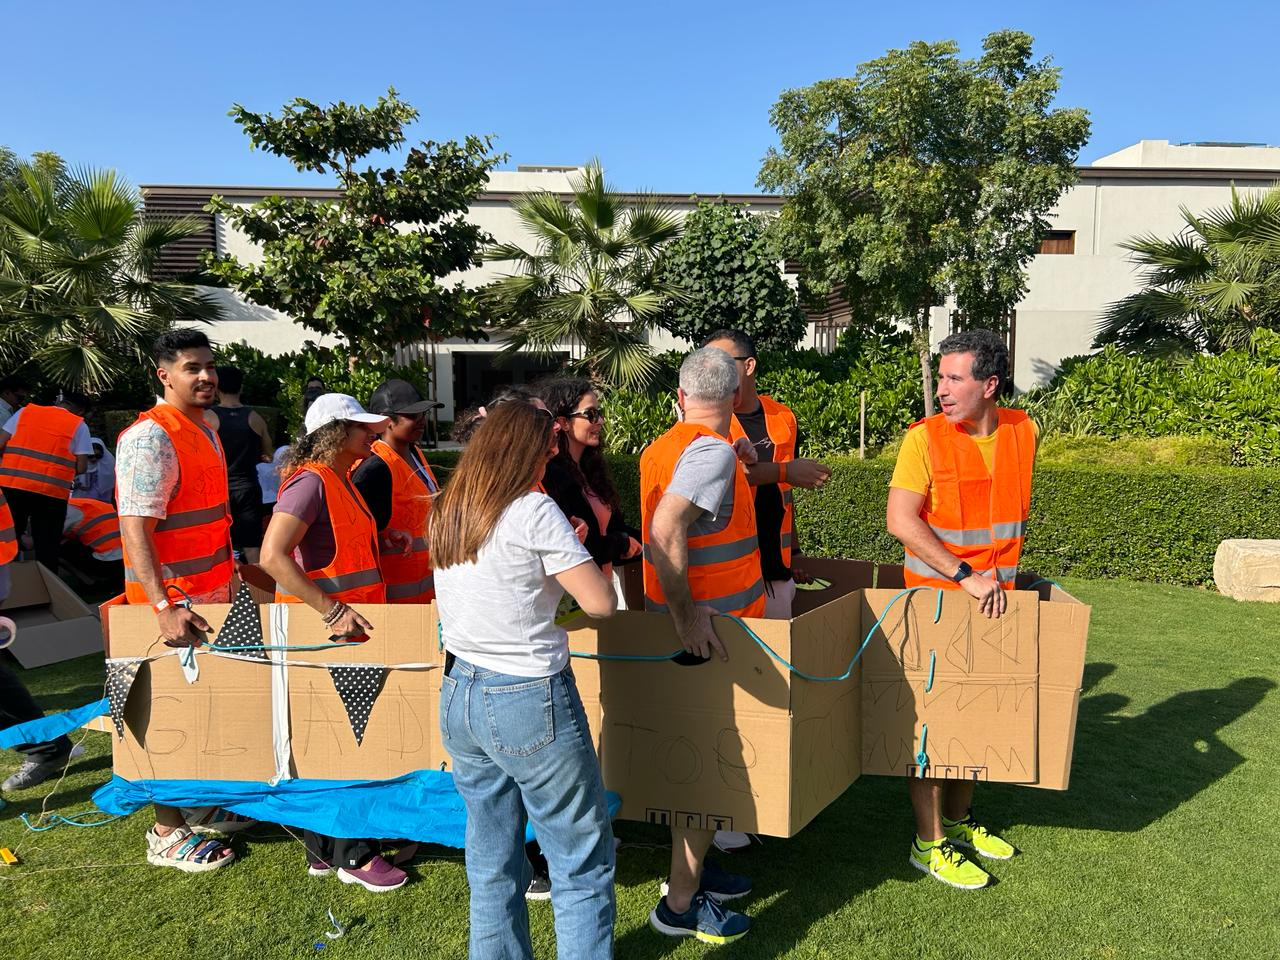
<point>358,686</point>
<point>243,627</point>
<point>120,676</point>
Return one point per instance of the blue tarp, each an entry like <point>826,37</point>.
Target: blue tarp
<point>422,805</point>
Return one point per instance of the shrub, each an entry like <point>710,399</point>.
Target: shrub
<point>1136,451</point>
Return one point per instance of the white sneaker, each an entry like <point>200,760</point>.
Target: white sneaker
<point>731,841</point>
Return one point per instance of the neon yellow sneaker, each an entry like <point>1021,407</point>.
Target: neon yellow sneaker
<point>971,835</point>
<point>944,862</point>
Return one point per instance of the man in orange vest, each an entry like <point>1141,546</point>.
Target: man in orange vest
<point>958,501</point>
<point>700,559</point>
<point>171,494</point>
<point>42,449</point>
<point>397,485</point>
<point>91,540</point>
<point>770,427</point>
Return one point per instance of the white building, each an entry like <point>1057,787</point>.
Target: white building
<point>1080,270</point>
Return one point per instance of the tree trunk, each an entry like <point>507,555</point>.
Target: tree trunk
<point>920,334</point>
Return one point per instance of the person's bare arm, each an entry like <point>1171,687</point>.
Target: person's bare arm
<point>586,584</point>
<point>4,438</point>
<point>179,627</point>
<point>282,537</point>
<point>259,426</point>
<point>800,473</point>
<point>82,463</point>
<point>903,520</point>
<point>669,552</point>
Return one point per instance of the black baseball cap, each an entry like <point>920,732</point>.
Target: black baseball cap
<point>399,396</point>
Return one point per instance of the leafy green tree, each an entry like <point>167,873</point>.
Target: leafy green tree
<point>42,161</point>
<point>1208,288</point>
<point>367,267</point>
<point>924,176</point>
<point>729,271</point>
<point>590,276</point>
<point>79,292</point>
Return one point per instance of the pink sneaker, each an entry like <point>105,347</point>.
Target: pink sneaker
<point>376,876</point>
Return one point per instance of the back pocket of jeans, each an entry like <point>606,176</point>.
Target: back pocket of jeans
<point>447,686</point>
<point>520,717</point>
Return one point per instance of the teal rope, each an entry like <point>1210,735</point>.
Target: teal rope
<point>1052,583</point>
<point>933,660</point>
<point>937,611</point>
<point>75,820</point>
<point>922,758</point>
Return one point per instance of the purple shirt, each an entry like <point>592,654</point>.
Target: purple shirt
<point>303,498</point>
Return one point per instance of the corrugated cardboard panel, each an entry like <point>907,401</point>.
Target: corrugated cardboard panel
<point>53,623</point>
<point>1064,631</point>
<point>981,709</point>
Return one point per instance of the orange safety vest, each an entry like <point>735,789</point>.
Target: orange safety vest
<point>408,576</point>
<point>8,534</point>
<point>352,576</point>
<point>980,516</point>
<point>724,557</point>
<point>193,542</point>
<point>38,456</point>
<point>98,527</point>
<point>780,424</point>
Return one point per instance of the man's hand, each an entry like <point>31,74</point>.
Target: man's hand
<point>350,626</point>
<point>699,637</point>
<point>397,540</point>
<point>807,473</point>
<point>987,591</point>
<point>180,627</point>
<point>797,571</point>
<point>746,451</point>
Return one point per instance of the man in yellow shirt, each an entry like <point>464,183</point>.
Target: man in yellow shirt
<point>958,501</point>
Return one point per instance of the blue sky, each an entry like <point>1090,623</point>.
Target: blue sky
<point>671,96</point>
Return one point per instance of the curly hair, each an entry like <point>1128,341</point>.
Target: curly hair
<point>990,355</point>
<point>322,446</point>
<point>562,397</point>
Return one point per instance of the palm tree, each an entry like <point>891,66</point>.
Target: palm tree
<point>589,276</point>
<point>79,294</point>
<point>1206,289</point>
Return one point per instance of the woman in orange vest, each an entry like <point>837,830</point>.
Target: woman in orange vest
<point>397,486</point>
<point>322,549</point>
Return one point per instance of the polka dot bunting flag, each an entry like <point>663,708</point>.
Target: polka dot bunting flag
<point>243,627</point>
<point>120,678</point>
<point>358,686</point>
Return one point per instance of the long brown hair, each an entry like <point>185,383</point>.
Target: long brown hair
<point>498,467</point>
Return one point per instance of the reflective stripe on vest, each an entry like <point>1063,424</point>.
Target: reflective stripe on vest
<point>407,576</point>
<point>780,425</point>
<point>192,542</point>
<point>98,527</point>
<point>8,534</point>
<point>980,515</point>
<point>723,554</point>
<point>38,456</point>
<point>352,576</point>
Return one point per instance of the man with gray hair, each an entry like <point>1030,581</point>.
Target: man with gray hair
<point>701,558</point>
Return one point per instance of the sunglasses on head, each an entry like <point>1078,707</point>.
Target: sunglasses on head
<point>591,415</point>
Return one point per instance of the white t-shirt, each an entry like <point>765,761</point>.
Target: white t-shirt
<point>499,612</point>
<point>81,444</point>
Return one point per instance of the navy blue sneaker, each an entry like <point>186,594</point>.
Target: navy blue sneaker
<point>705,919</point>
<point>720,885</point>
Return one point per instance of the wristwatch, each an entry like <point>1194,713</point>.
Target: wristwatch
<point>962,572</point>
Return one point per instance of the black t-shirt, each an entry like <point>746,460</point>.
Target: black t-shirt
<point>241,444</point>
<point>373,479</point>
<point>769,508</point>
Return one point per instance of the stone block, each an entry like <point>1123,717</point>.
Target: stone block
<point>1248,569</point>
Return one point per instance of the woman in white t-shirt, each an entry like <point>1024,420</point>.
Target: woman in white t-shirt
<point>510,714</point>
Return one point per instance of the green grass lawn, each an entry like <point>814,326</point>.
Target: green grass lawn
<point>1165,845</point>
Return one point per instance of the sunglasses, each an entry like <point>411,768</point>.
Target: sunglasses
<point>591,415</point>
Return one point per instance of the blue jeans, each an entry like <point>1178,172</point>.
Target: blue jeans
<point>521,750</point>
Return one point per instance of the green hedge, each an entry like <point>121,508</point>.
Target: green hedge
<point>1130,523</point>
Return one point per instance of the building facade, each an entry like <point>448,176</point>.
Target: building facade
<point>1080,270</point>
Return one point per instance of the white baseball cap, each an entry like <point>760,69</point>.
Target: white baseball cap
<point>329,407</point>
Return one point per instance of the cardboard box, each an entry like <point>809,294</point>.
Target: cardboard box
<point>746,744</point>
<point>53,623</point>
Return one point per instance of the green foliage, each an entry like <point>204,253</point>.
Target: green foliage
<point>1231,397</point>
<point>590,276</point>
<point>1136,451</point>
<point>728,269</point>
<point>43,162</point>
<point>633,419</point>
<point>367,267</point>
<point>340,375</point>
<point>1209,287</point>
<point>924,175</point>
<point>79,299</point>
<point>1135,523</point>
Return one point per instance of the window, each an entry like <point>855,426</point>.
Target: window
<point>1059,241</point>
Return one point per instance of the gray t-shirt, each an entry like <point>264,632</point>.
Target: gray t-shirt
<point>704,476</point>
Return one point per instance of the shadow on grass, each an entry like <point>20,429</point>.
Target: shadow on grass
<point>1128,772</point>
